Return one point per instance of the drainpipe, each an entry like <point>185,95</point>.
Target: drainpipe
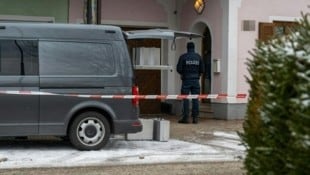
<point>91,11</point>
<point>99,12</point>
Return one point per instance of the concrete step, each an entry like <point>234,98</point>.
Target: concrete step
<point>205,108</point>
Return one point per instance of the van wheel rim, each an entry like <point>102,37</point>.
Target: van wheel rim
<point>90,131</point>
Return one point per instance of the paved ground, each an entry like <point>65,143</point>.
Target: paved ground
<point>200,133</point>
<point>219,168</point>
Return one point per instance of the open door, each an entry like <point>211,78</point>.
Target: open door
<point>160,34</point>
<point>148,77</point>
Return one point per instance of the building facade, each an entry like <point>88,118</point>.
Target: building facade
<point>230,29</point>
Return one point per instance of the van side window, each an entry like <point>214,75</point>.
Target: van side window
<point>74,58</point>
<point>18,57</point>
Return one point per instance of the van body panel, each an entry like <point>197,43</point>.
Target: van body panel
<point>52,120</point>
<point>122,126</point>
<point>82,82</point>
<point>61,31</point>
<point>19,114</point>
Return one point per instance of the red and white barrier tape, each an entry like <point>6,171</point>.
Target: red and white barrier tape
<point>141,97</point>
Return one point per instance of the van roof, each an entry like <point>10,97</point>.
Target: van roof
<point>60,31</point>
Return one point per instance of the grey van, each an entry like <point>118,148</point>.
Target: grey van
<point>66,59</point>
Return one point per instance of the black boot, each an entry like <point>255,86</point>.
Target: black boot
<point>183,120</point>
<point>195,120</point>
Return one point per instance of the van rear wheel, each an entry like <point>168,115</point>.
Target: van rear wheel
<point>89,131</point>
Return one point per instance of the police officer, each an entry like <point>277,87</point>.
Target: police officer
<point>190,67</point>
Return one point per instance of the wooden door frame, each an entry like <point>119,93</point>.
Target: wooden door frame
<point>206,55</point>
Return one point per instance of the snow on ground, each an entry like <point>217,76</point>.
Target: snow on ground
<point>26,154</point>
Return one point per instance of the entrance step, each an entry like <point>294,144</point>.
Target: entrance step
<point>205,108</point>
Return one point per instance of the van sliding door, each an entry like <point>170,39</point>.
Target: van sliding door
<point>68,67</point>
<point>18,72</point>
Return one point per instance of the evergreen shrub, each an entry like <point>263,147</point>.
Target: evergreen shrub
<point>277,123</point>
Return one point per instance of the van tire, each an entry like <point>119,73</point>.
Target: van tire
<point>89,131</point>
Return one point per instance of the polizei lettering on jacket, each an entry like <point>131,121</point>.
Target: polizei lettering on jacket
<point>192,62</point>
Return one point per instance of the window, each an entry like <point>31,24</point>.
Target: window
<point>277,28</point>
<point>284,28</point>
<point>76,59</point>
<point>18,57</point>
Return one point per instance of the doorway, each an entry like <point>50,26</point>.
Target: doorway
<point>148,80</point>
<point>207,59</point>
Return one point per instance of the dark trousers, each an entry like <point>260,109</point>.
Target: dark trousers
<point>190,87</point>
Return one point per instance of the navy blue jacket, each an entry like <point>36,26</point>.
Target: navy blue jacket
<point>190,65</point>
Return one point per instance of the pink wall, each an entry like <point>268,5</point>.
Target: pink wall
<point>135,10</point>
<point>129,10</point>
<point>75,10</point>
<point>260,11</point>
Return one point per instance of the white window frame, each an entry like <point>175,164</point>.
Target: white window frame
<point>283,18</point>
